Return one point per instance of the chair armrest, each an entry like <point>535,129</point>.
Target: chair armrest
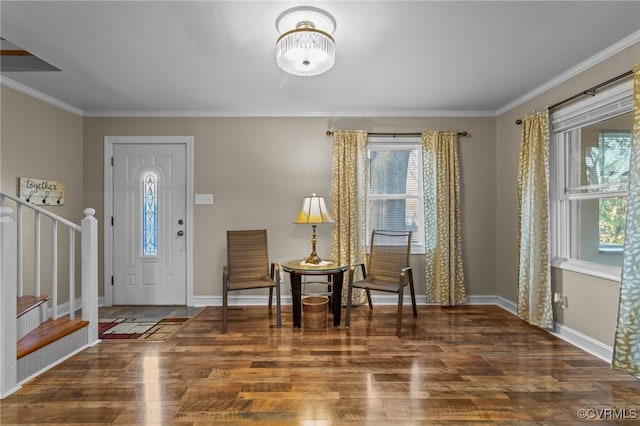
<point>352,270</point>
<point>404,273</point>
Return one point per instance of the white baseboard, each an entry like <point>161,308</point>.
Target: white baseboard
<point>584,342</point>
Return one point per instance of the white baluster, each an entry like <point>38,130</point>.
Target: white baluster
<point>36,272</point>
<point>54,268</point>
<point>19,250</point>
<point>72,273</point>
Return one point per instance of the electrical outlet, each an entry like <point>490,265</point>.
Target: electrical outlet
<point>561,300</point>
<point>557,298</point>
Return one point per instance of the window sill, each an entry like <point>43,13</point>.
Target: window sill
<point>606,272</point>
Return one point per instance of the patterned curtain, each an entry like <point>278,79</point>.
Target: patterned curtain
<point>443,240</point>
<point>534,270</point>
<point>348,183</point>
<point>626,351</point>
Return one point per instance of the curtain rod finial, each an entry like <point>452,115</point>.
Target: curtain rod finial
<point>329,133</point>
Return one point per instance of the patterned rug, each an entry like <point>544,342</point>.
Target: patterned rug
<point>139,329</point>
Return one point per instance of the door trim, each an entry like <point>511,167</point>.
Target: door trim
<point>109,142</point>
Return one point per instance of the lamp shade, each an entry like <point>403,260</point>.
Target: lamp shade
<point>314,210</point>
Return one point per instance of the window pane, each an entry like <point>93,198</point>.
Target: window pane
<point>600,157</point>
<point>150,215</point>
<point>612,212</point>
<point>394,215</point>
<point>393,171</point>
<point>394,192</point>
<point>600,230</point>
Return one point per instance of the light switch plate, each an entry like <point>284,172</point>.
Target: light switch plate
<point>204,198</point>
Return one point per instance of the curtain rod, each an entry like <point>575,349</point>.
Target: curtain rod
<point>590,91</point>
<point>463,133</point>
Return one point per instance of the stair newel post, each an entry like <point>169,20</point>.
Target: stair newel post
<point>8,297</point>
<point>89,256</point>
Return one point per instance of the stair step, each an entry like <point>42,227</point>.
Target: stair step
<point>48,332</point>
<point>27,303</point>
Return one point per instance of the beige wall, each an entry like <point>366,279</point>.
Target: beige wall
<point>581,315</point>
<point>42,141</point>
<point>269,164</point>
<point>259,169</point>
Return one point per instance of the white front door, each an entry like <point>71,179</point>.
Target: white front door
<point>149,224</point>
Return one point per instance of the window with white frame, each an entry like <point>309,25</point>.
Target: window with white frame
<point>590,156</point>
<point>394,188</point>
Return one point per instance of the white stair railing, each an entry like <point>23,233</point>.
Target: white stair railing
<point>12,285</point>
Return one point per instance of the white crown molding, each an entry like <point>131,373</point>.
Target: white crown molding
<point>572,72</point>
<point>332,114</point>
<point>39,95</point>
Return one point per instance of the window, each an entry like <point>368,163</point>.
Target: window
<point>150,214</point>
<point>590,156</point>
<point>394,188</point>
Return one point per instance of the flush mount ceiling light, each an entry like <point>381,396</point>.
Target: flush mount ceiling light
<point>305,46</point>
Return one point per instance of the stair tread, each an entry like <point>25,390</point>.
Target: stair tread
<point>27,303</point>
<point>48,332</point>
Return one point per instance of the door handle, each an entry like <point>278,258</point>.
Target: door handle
<point>180,233</point>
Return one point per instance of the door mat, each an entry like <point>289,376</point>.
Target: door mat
<point>140,329</point>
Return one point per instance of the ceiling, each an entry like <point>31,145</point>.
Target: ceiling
<point>217,58</point>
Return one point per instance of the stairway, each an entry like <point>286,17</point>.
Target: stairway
<point>38,332</point>
<point>42,340</point>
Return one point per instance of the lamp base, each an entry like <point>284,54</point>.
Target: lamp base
<point>313,259</point>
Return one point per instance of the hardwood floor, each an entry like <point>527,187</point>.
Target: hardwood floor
<point>476,364</point>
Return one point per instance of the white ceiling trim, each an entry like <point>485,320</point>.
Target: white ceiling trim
<point>39,95</point>
<point>572,72</point>
<point>191,114</point>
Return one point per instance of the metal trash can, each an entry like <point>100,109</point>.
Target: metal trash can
<point>314,310</point>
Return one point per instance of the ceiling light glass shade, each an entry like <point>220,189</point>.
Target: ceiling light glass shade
<point>305,46</point>
<point>306,52</point>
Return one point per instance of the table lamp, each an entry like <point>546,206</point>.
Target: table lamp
<point>313,212</point>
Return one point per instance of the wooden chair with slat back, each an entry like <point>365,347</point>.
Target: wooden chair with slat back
<point>248,268</point>
<point>388,270</point>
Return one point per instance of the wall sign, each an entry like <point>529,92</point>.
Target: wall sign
<point>42,192</point>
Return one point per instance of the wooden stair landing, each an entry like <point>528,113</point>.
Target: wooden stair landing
<point>47,333</point>
<point>27,303</point>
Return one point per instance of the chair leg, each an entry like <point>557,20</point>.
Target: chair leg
<point>278,307</point>
<point>270,298</point>
<point>369,298</point>
<point>413,295</point>
<point>347,320</point>
<point>399,314</point>
<point>225,312</point>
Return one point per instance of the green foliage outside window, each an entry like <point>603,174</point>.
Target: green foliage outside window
<point>612,220</point>
<point>608,164</point>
